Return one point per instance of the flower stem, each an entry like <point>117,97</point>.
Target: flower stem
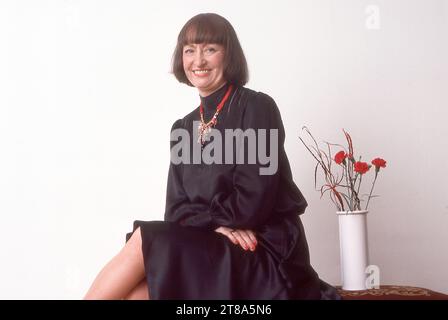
<point>358,202</point>
<point>348,186</point>
<point>352,188</point>
<point>371,190</point>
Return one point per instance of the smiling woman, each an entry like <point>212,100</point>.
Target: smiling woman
<point>231,230</point>
<point>209,42</point>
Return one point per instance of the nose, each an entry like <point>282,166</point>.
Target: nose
<point>199,58</point>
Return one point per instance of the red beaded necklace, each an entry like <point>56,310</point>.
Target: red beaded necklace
<point>205,128</point>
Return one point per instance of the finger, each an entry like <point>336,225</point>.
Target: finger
<point>242,242</point>
<point>250,243</point>
<point>229,234</point>
<point>249,239</point>
<point>252,236</point>
<point>238,238</point>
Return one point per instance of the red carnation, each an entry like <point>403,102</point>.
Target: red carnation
<point>340,157</point>
<point>344,181</point>
<point>379,163</point>
<point>361,167</point>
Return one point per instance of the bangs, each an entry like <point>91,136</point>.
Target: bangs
<point>203,31</point>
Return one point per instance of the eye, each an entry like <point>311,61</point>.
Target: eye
<point>211,49</point>
<point>188,50</point>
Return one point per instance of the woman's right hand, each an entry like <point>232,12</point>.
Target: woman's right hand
<point>245,238</point>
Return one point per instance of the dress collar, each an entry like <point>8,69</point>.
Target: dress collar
<point>212,100</point>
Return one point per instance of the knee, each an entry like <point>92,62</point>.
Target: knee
<point>134,244</point>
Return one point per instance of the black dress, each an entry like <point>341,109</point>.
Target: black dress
<point>186,259</point>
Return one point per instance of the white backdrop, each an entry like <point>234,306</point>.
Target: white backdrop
<point>87,102</point>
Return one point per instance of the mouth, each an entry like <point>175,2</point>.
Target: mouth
<point>199,72</point>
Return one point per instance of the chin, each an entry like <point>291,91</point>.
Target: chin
<point>199,84</point>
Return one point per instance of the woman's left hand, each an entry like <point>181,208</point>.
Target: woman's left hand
<point>245,238</point>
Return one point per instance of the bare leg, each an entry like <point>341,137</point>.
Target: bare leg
<point>140,292</point>
<point>122,274</point>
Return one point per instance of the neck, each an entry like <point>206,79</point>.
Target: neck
<point>205,93</point>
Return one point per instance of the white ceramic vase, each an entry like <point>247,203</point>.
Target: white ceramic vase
<point>354,250</point>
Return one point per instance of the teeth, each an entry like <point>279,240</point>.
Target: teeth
<point>201,71</point>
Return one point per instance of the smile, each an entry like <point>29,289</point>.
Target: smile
<point>204,71</point>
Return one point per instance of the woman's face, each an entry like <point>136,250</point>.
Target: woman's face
<point>203,66</point>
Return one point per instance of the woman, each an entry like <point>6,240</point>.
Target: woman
<point>232,228</point>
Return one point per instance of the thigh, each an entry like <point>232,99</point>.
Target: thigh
<point>140,292</point>
<point>131,259</point>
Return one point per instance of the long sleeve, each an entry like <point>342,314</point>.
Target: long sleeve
<point>254,195</point>
<point>178,207</point>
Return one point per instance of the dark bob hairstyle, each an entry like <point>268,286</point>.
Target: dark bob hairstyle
<point>212,28</point>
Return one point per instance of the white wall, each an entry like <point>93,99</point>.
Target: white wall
<point>87,101</point>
